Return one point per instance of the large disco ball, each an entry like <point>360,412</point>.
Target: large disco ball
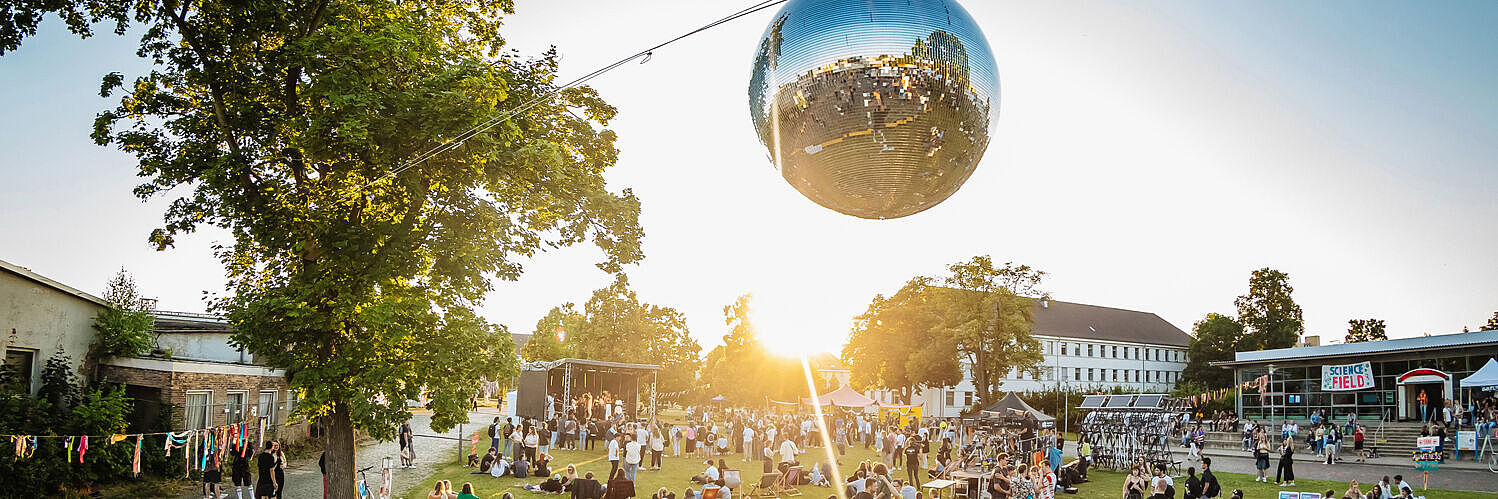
<point>874,108</point>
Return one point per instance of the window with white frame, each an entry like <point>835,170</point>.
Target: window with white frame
<point>198,405</point>
<point>967,398</point>
<point>1063,348</point>
<point>268,406</point>
<point>951,397</point>
<point>234,406</point>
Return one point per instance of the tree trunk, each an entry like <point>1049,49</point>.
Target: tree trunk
<point>340,453</point>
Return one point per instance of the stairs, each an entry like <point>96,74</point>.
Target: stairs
<point>1398,439</point>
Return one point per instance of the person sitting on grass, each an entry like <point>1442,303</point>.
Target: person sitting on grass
<point>467,492</point>
<point>521,467</point>
<point>586,487</point>
<point>543,465</point>
<point>488,461</point>
<point>709,475</point>
<point>723,492</point>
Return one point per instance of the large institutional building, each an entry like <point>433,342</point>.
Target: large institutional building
<point>1086,347</point>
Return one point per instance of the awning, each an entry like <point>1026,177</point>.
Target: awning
<point>1012,404</point>
<point>842,397</point>
<point>1487,376</point>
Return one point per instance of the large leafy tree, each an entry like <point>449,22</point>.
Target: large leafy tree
<point>1492,324</point>
<point>616,326</point>
<point>989,311</point>
<point>356,262</point>
<point>1269,314</point>
<point>743,369</point>
<point>1360,330</point>
<point>899,344</point>
<point>125,326</point>
<point>1215,338</point>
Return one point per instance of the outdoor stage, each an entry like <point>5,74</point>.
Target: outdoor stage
<point>546,388</point>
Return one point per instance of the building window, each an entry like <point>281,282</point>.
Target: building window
<point>268,406</point>
<point>234,407</point>
<point>21,362</point>
<point>951,398</point>
<point>1136,353</point>
<point>967,398</point>
<point>198,415</point>
<point>1089,349</point>
<point>291,402</point>
<point>1076,374</point>
<point>1089,374</point>
<point>1063,348</point>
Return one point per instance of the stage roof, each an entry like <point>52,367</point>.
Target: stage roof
<point>549,365</point>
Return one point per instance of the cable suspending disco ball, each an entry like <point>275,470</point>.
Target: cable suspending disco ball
<point>874,108</point>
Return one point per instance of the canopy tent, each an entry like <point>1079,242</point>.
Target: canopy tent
<point>1487,376</point>
<point>1012,404</point>
<point>718,399</point>
<point>841,397</point>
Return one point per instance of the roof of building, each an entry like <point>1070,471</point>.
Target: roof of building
<point>1076,320</point>
<point>34,277</point>
<point>1420,343</point>
<point>186,322</point>
<point>520,340</point>
<point>549,365</point>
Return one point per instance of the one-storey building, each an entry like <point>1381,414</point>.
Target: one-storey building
<point>1375,380</point>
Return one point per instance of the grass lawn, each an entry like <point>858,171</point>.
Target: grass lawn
<point>675,473</point>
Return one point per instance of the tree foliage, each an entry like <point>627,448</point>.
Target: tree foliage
<point>1360,330</point>
<point>991,310</point>
<point>294,125</point>
<point>743,370</point>
<point>1492,324</point>
<point>125,326</point>
<point>899,344</point>
<point>1214,339</point>
<point>616,326</point>
<point>544,344</point>
<point>914,339</point>
<point>1269,315</point>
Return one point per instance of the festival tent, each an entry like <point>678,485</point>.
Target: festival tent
<point>1487,376</point>
<point>841,397</point>
<point>1012,403</point>
<point>718,399</point>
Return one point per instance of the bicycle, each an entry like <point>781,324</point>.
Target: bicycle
<point>362,485</point>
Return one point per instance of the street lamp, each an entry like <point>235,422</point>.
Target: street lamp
<point>1270,398</point>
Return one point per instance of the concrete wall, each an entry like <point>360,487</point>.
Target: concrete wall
<point>37,317</point>
<point>202,346</point>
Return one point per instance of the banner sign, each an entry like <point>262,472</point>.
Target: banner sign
<point>1347,377</point>
<point>1427,443</point>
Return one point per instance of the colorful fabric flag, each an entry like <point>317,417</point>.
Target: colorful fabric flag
<point>135,463</point>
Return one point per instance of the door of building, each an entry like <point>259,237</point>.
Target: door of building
<point>1436,385</point>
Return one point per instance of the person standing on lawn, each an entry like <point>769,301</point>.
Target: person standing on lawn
<point>1210,487</point>
<point>657,448</point>
<point>632,456</point>
<point>615,450</point>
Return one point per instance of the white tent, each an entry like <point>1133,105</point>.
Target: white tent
<point>1487,376</point>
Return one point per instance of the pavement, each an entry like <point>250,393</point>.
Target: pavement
<point>1452,475</point>
<point>303,480</point>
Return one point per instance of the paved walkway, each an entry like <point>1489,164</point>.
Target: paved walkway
<point>304,481</point>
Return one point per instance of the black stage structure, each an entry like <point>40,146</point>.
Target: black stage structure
<point>1126,428</point>
<point>563,379</point>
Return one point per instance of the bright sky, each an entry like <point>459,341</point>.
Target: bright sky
<point>1148,155</point>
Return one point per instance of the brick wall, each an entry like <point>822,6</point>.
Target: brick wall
<point>176,385</point>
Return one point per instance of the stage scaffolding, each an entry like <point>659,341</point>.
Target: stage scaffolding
<point>1126,428</point>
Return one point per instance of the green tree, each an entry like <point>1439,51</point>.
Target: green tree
<point>899,344</point>
<point>1214,339</point>
<point>356,261</point>
<point>125,326</point>
<point>1492,324</point>
<point>1360,330</point>
<point>989,311</point>
<point>1268,312</point>
<point>616,326</point>
<point>544,344</point>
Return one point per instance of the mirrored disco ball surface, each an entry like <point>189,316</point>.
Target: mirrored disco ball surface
<point>874,108</point>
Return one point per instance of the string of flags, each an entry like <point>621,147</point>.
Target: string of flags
<point>1259,384</point>
<point>197,446</point>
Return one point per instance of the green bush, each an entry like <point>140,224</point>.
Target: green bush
<point>123,333</point>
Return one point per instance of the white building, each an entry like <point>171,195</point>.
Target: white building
<point>1086,347</point>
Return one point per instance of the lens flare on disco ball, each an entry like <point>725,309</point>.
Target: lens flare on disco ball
<point>874,108</point>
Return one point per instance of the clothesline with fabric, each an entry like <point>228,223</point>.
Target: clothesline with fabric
<point>199,446</point>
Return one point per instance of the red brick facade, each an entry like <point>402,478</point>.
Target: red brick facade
<point>174,387</point>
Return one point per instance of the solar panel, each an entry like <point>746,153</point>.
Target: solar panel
<point>1119,401</point>
<point>1148,401</point>
<point>1092,401</point>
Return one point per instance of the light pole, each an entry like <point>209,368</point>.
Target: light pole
<point>1271,398</point>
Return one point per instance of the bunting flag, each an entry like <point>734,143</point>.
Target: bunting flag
<point>135,464</point>
<point>25,445</point>
<point>82,447</point>
<point>68,450</point>
<point>116,438</point>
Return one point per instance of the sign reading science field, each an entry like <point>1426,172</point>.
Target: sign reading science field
<point>1347,377</point>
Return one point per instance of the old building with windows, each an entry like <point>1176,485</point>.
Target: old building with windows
<point>195,374</point>
<point>1086,347</point>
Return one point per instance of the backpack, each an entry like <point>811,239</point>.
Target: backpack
<point>492,428</point>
